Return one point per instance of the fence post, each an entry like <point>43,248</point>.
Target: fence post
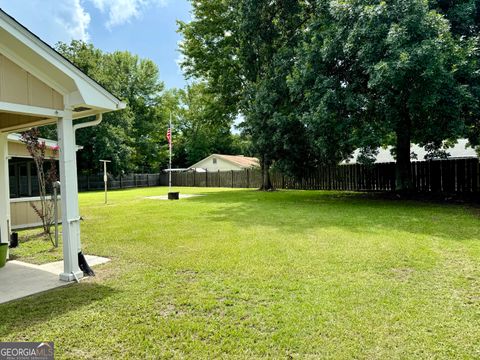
<point>88,182</point>
<point>206,178</point>
<point>194,178</point>
<point>248,179</point>
<point>148,182</point>
<point>232,179</point>
<point>134,180</point>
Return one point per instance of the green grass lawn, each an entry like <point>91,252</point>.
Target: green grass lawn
<point>245,274</point>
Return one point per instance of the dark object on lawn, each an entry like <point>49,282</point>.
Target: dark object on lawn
<point>173,195</point>
<point>13,240</point>
<point>83,265</point>
<point>3,254</point>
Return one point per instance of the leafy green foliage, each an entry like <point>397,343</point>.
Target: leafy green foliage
<point>210,49</point>
<point>244,51</point>
<point>463,15</point>
<point>133,138</point>
<point>315,80</point>
<point>268,34</point>
<point>372,73</point>
<point>202,129</point>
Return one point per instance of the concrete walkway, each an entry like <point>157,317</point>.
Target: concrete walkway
<point>19,279</point>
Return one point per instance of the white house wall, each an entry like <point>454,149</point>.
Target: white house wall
<point>24,216</point>
<point>221,165</point>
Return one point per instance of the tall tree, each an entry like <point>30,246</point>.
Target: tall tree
<point>132,138</point>
<point>464,17</point>
<point>202,129</point>
<point>374,72</point>
<point>210,50</point>
<point>243,50</point>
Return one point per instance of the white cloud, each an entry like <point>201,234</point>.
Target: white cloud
<point>123,11</point>
<point>64,20</point>
<point>73,17</point>
<point>52,20</point>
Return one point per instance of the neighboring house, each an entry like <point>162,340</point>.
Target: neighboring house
<point>460,150</point>
<point>218,162</point>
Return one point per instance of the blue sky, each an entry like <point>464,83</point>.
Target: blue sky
<point>144,27</point>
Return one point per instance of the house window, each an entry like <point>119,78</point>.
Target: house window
<point>23,177</point>
<point>214,160</point>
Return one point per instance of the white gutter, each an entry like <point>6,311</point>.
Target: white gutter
<point>98,120</point>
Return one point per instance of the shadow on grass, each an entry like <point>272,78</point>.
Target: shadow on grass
<point>299,211</point>
<point>27,312</point>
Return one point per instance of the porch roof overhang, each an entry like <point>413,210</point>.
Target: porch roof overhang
<point>81,94</point>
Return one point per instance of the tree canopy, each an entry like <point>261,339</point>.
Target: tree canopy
<point>203,130</point>
<point>244,51</point>
<point>376,73</point>
<point>315,80</point>
<point>134,139</point>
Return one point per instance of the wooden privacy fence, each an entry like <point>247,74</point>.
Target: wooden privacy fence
<point>449,176</point>
<point>95,182</point>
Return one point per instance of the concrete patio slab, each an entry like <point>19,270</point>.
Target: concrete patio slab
<point>165,197</point>
<point>57,266</point>
<point>19,279</point>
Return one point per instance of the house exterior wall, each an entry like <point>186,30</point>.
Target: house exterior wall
<point>23,215</point>
<point>17,86</point>
<point>221,165</point>
<point>20,150</point>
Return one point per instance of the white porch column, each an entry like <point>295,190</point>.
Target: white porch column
<point>4,190</point>
<point>69,198</point>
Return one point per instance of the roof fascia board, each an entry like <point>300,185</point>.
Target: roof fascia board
<point>91,98</point>
<point>16,138</point>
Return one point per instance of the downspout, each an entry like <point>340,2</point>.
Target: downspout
<point>98,120</point>
<point>82,262</point>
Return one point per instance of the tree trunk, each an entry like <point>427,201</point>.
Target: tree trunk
<point>266,181</point>
<point>403,171</point>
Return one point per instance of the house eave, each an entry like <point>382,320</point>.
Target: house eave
<point>91,93</point>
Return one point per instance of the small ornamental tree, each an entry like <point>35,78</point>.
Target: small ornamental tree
<point>37,150</point>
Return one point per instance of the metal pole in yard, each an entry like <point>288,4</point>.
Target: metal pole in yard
<point>105,177</point>
<point>170,150</point>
